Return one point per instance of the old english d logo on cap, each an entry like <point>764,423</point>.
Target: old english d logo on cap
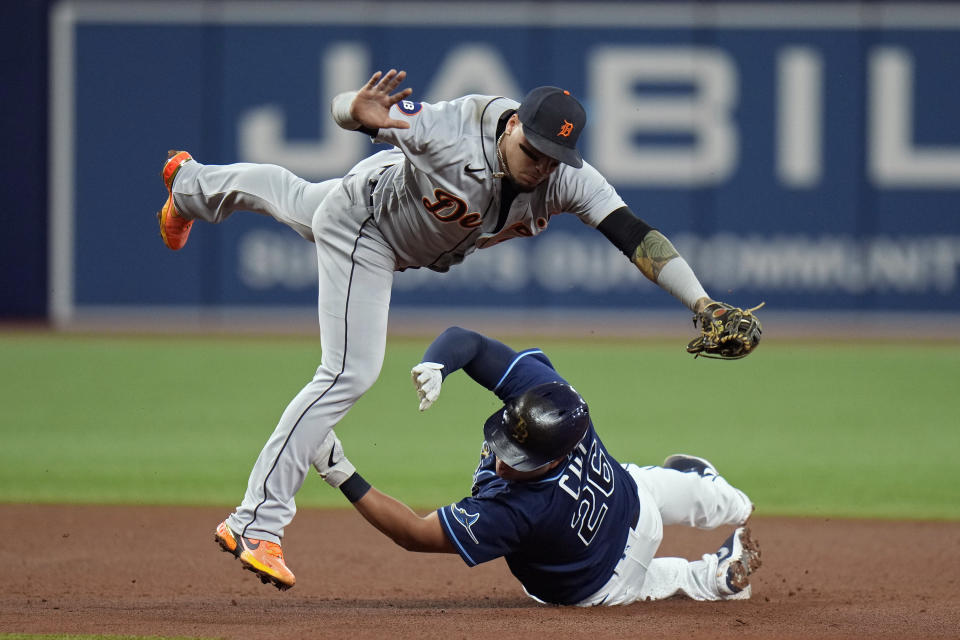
<point>552,120</point>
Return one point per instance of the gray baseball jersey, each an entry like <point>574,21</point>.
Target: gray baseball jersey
<point>437,199</point>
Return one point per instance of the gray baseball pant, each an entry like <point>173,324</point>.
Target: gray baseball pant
<point>355,276</point>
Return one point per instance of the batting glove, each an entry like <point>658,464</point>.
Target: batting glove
<point>331,463</point>
<point>427,380</point>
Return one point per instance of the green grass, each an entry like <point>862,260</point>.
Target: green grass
<point>859,429</point>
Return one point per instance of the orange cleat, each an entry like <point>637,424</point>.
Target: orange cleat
<point>262,557</point>
<point>225,538</point>
<point>174,228</point>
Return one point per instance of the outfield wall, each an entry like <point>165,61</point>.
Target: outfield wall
<point>803,154</point>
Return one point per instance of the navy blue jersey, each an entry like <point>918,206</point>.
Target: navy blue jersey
<point>561,534</point>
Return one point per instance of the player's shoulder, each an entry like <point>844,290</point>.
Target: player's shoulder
<point>585,172</point>
<point>449,122</point>
<point>482,101</point>
<point>435,120</point>
<point>475,106</point>
<point>568,186</point>
<point>535,359</point>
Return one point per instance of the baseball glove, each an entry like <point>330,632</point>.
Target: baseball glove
<point>726,332</point>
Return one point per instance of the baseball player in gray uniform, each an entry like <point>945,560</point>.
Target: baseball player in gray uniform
<point>461,175</point>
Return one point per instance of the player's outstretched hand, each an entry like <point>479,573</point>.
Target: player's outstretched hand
<point>331,463</point>
<point>427,380</point>
<point>371,106</point>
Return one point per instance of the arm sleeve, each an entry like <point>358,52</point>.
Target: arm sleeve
<point>625,230</point>
<point>482,358</point>
<point>584,193</point>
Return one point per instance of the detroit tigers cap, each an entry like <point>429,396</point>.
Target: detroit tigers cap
<point>552,121</point>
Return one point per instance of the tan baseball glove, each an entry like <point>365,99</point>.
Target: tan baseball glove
<point>726,332</point>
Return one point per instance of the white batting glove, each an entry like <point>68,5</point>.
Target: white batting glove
<point>331,463</point>
<point>427,380</point>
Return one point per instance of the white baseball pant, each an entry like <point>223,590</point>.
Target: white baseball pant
<point>669,497</point>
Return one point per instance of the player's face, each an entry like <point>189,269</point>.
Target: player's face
<point>528,167</point>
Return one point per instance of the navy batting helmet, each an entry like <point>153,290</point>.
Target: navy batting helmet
<point>537,427</point>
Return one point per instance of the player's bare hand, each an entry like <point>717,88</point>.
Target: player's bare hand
<point>371,106</point>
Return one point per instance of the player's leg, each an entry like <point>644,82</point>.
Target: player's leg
<point>723,575</point>
<point>356,275</point>
<point>213,192</point>
<point>696,496</point>
<point>640,576</point>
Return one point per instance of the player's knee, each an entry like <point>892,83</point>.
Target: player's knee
<point>360,380</point>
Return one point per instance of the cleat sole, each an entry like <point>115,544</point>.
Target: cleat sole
<point>265,577</point>
<point>748,563</point>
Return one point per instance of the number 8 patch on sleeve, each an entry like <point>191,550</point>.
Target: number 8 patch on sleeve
<point>409,107</point>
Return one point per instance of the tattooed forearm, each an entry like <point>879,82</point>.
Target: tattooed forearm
<point>654,252</point>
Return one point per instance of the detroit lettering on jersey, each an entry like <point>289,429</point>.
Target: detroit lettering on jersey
<point>444,202</point>
<point>561,535</point>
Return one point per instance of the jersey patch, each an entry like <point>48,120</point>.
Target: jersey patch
<point>409,107</point>
<point>465,519</point>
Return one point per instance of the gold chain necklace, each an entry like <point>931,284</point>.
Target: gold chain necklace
<point>503,161</point>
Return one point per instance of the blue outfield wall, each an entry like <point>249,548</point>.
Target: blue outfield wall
<point>806,155</point>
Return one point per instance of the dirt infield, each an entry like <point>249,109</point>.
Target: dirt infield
<point>157,571</point>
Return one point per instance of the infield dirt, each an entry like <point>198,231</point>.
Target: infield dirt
<point>157,571</point>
